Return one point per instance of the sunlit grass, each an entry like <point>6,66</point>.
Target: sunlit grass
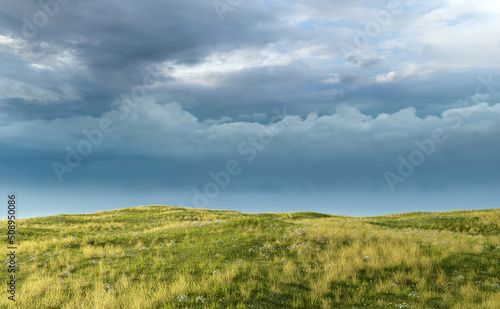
<point>173,257</point>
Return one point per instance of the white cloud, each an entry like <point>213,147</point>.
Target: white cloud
<point>41,67</point>
<point>277,54</point>
<point>387,78</point>
<point>410,70</point>
<point>459,33</point>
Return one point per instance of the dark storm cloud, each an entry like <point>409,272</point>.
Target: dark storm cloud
<point>101,49</point>
<point>128,34</point>
<point>366,63</point>
<point>114,43</point>
<point>350,79</point>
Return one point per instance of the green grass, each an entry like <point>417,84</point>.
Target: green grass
<point>174,257</point>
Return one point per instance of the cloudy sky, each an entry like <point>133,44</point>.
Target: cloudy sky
<point>343,107</point>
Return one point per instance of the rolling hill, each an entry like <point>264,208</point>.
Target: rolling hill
<point>175,257</point>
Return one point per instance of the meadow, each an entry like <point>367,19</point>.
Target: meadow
<point>174,257</point>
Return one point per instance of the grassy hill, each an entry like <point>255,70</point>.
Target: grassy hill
<point>174,257</point>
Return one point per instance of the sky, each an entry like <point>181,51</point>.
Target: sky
<point>356,107</point>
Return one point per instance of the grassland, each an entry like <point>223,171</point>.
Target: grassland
<point>173,257</point>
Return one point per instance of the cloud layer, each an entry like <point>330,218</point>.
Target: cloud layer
<point>162,145</point>
<point>86,53</point>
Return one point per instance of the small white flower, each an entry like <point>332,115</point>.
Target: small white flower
<point>182,297</point>
<point>108,287</point>
<point>200,299</point>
